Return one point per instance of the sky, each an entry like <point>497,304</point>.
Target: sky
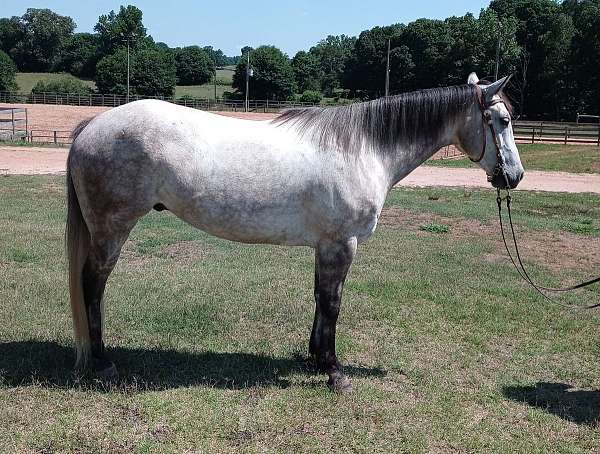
<point>230,25</point>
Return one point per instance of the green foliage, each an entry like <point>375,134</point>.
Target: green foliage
<point>273,74</point>
<point>307,71</point>
<point>432,227</point>
<point>8,72</point>
<point>152,71</point>
<point>67,85</point>
<point>311,96</point>
<point>333,53</point>
<point>115,28</point>
<point>80,55</point>
<point>194,66</point>
<point>35,40</point>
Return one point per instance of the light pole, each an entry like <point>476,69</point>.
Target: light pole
<point>128,70</point>
<point>126,40</point>
<point>498,51</point>
<point>387,72</point>
<point>248,74</point>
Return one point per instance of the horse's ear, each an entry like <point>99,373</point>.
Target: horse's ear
<point>491,90</point>
<point>473,79</point>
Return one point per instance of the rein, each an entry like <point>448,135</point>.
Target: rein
<point>487,119</point>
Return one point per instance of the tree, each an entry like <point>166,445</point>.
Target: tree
<point>115,28</point>
<point>544,33</point>
<point>307,72</point>
<point>8,72</point>
<point>66,85</point>
<point>194,66</point>
<point>43,34</point>
<point>11,34</point>
<point>365,69</point>
<point>333,52</point>
<point>80,55</point>
<point>153,71</point>
<point>582,79</point>
<point>273,74</point>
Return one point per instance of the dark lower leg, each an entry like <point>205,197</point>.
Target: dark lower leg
<point>334,263</point>
<point>315,334</point>
<point>94,283</point>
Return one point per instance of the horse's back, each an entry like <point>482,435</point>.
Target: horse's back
<point>238,179</point>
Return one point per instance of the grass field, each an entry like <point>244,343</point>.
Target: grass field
<point>447,349</point>
<point>566,158</point>
<point>26,81</point>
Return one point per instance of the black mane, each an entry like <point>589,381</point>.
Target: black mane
<point>419,117</point>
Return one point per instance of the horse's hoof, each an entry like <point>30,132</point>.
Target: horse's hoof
<point>340,384</point>
<point>108,373</point>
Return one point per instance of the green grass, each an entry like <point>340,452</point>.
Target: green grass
<point>26,81</point>
<point>564,158</point>
<point>447,349</point>
<point>201,91</point>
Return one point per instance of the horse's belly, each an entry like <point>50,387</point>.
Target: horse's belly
<point>275,218</point>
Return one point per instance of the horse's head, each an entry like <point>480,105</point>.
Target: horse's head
<point>487,135</point>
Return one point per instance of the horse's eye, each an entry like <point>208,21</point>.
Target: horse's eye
<point>506,121</point>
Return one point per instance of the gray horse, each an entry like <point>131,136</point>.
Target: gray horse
<point>312,177</point>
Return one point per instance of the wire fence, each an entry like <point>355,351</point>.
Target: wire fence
<point>107,100</point>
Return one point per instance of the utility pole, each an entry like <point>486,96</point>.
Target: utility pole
<point>247,82</point>
<point>498,51</point>
<point>127,70</point>
<point>387,72</point>
<point>215,60</point>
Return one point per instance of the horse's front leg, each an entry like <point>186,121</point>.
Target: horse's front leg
<point>333,262</point>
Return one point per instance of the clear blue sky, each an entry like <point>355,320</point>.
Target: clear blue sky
<point>232,24</point>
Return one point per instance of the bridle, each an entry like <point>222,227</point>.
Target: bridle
<point>486,115</point>
<point>499,169</point>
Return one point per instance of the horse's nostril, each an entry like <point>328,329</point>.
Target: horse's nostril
<point>521,175</point>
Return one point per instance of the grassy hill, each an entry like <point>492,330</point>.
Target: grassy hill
<point>26,81</point>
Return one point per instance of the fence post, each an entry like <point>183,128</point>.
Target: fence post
<point>599,135</point>
<point>533,134</point>
<point>566,134</point>
<point>55,141</point>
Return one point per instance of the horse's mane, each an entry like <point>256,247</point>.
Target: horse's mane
<point>407,119</point>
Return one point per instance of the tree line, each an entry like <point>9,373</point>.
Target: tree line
<point>552,49</point>
<point>44,41</point>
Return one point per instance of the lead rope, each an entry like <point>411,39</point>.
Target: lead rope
<point>523,272</point>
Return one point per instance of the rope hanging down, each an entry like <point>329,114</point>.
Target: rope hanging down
<point>521,268</point>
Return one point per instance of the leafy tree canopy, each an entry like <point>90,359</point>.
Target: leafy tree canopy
<point>273,76</point>
<point>194,66</point>
<point>8,72</point>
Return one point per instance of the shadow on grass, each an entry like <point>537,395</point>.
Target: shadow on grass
<point>50,364</point>
<point>578,406</point>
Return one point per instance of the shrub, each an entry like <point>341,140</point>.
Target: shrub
<point>8,72</point>
<point>311,96</point>
<point>66,85</point>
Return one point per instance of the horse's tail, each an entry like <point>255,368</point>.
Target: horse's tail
<point>77,238</point>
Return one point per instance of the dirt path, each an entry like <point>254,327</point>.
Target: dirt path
<point>33,161</point>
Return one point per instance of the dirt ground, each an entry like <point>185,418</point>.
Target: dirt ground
<point>65,118</point>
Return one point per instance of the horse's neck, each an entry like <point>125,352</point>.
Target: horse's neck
<point>408,158</point>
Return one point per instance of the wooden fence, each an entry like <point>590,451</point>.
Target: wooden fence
<point>550,132</point>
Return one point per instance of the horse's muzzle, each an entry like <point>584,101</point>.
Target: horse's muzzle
<point>499,180</point>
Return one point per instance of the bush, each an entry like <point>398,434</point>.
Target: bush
<point>66,85</point>
<point>311,96</point>
<point>8,72</point>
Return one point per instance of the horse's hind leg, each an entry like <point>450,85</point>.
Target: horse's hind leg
<point>333,262</point>
<point>103,255</point>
